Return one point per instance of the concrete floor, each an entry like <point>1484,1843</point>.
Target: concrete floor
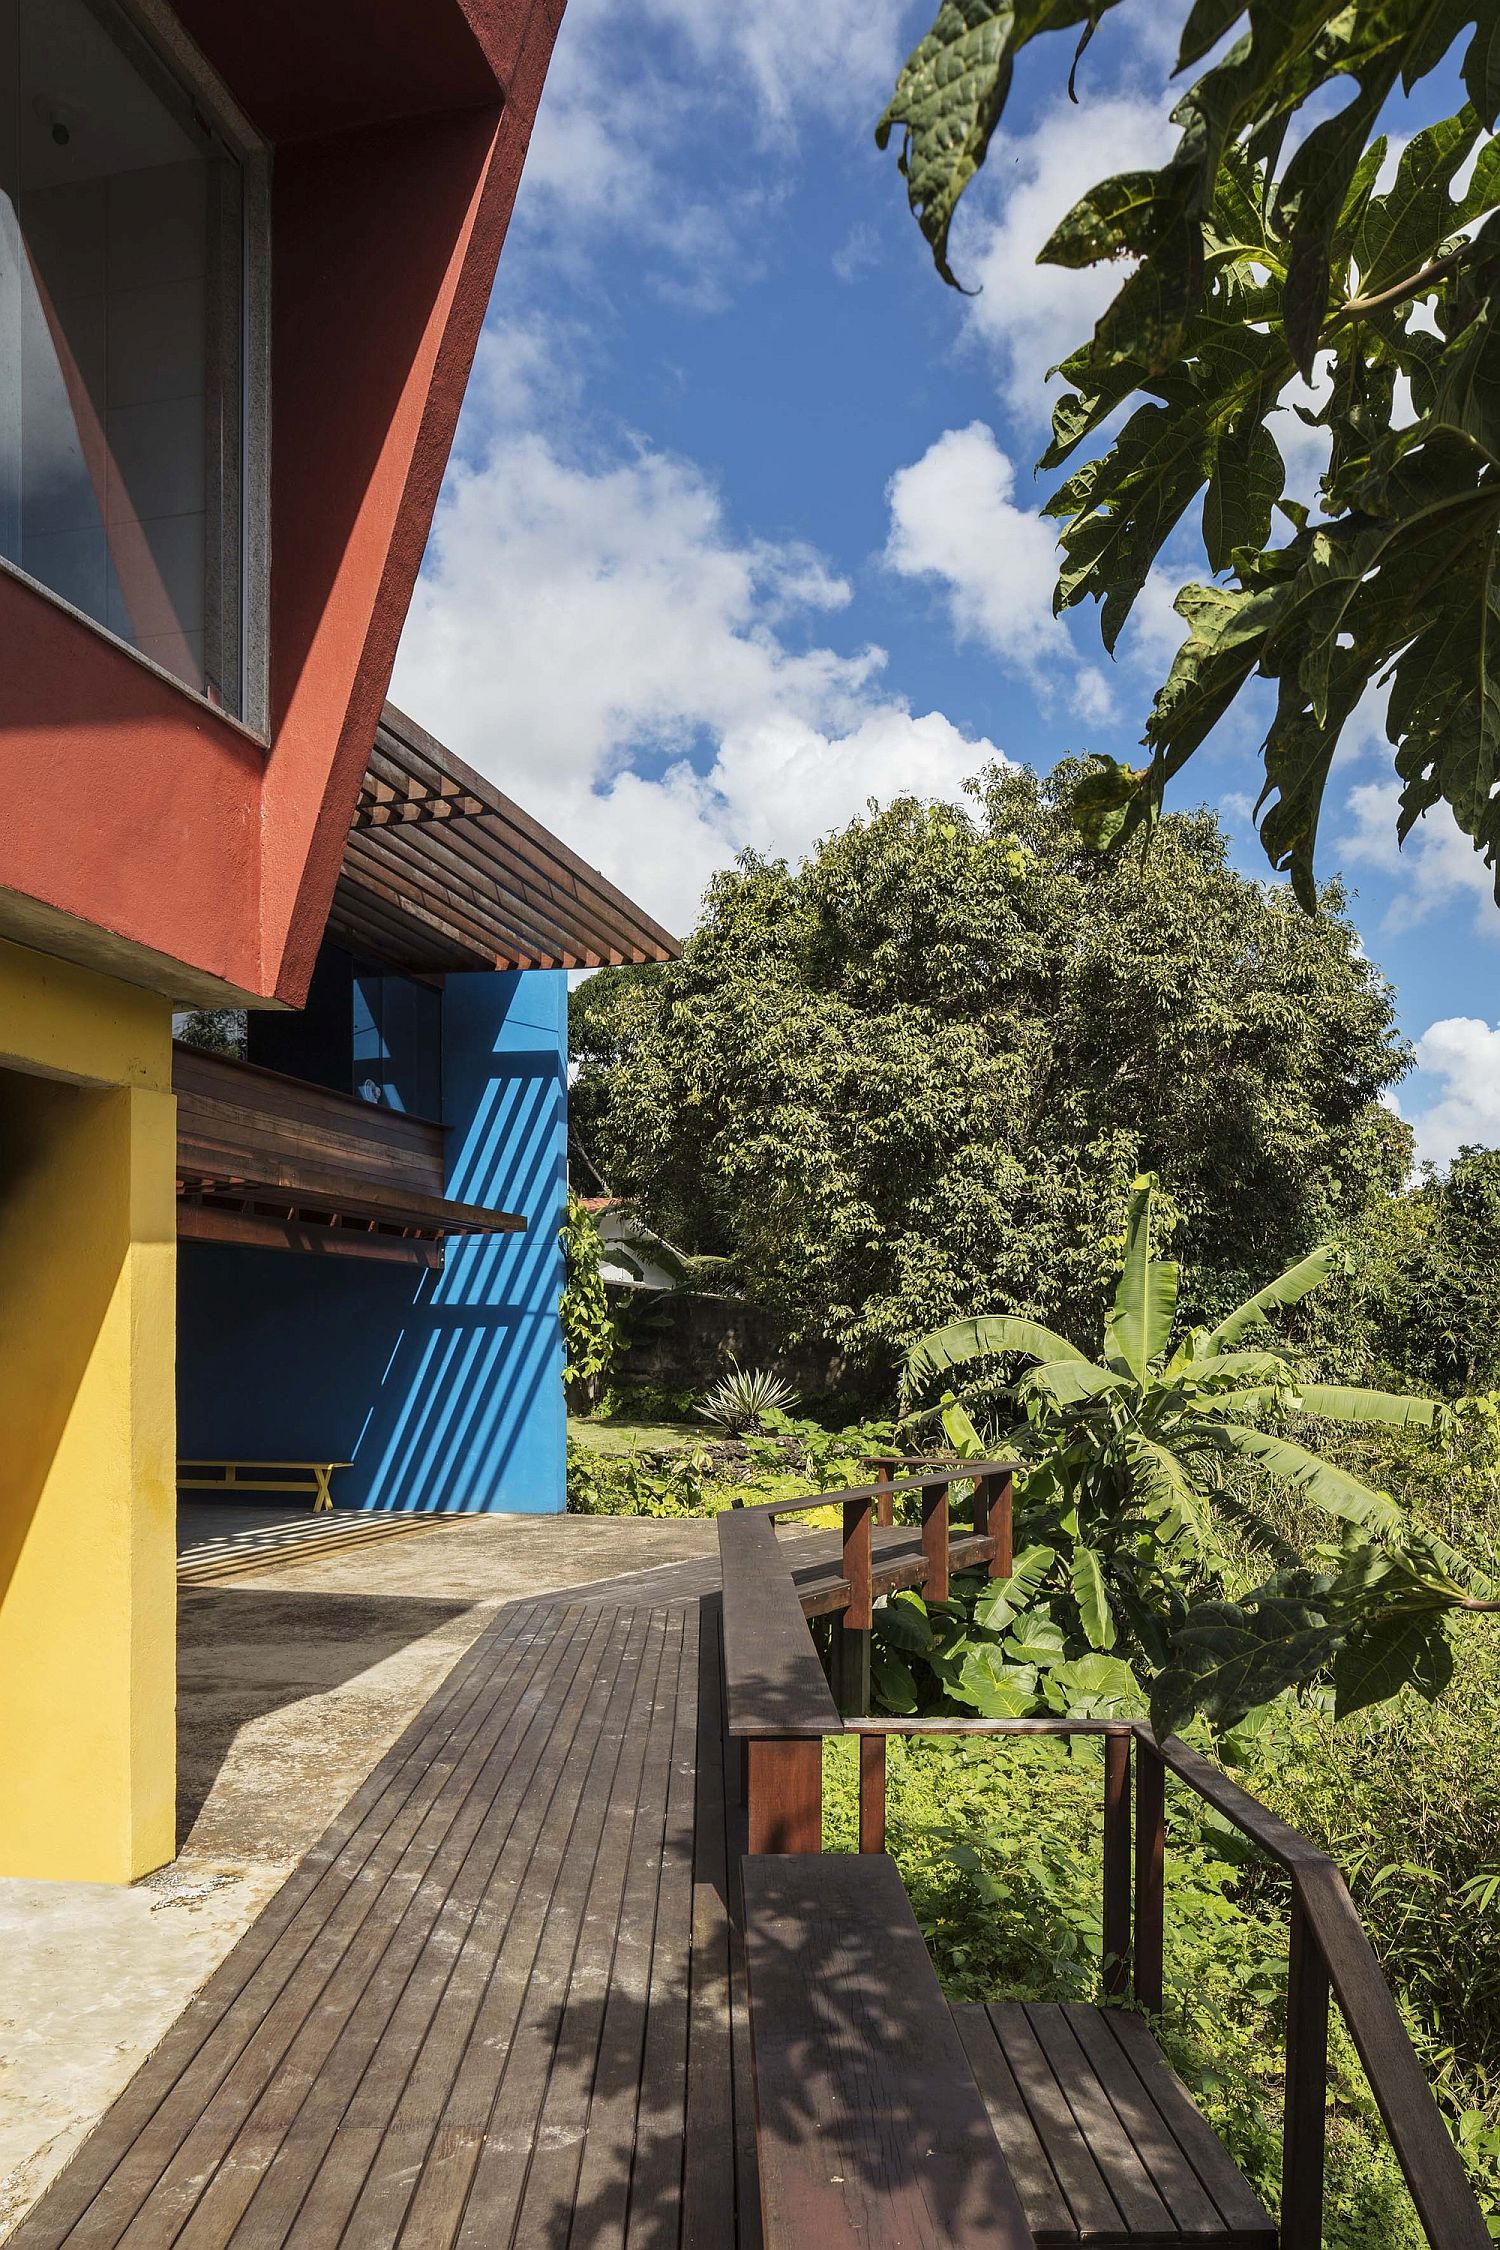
<point>292,1682</point>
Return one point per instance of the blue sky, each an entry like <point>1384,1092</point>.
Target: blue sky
<point>741,524</point>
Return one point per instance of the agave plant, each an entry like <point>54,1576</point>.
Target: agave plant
<point>1126,1488</point>
<point>745,1397</point>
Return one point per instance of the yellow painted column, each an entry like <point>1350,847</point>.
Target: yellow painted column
<point>87,1424</point>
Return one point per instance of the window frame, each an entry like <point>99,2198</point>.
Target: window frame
<point>164,50</point>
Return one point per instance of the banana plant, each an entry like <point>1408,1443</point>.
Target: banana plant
<point>1126,1496</point>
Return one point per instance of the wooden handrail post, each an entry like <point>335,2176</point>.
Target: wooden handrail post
<point>851,1632</point>
<point>1147,1960</point>
<point>935,1539</point>
<point>872,1792</point>
<point>857,1559</point>
<point>1305,2114</point>
<point>994,1518</point>
<point>785,1810</point>
<point>1116,1864</point>
<point>885,1505</point>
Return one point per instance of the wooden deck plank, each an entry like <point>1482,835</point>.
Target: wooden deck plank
<point>100,2191</point>
<point>302,2055</point>
<point>708,2185</point>
<point>1244,2216</point>
<point>1081,2101</point>
<point>1036,2183</point>
<point>654,2216</point>
<point>1193,2210</point>
<point>474,2175</point>
<point>298,2064</point>
<point>603,1976</point>
<point>601,2195</point>
<point>1084,2189</point>
<point>1131,2185</point>
<point>385,2109</point>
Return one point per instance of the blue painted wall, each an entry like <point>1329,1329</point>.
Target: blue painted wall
<point>444,1389</point>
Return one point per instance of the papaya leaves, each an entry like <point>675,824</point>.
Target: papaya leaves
<point>1261,257</point>
<point>952,91</point>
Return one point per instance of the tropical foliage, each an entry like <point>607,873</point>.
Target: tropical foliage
<point>918,1072</point>
<point>744,1397</point>
<point>1279,247</point>
<point>1130,1462</point>
<point>588,1330</point>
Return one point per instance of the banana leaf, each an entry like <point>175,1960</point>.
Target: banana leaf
<point>1288,1288</point>
<point>1329,1488</point>
<point>1146,1299</point>
<point>1341,1403</point>
<point>990,1336</point>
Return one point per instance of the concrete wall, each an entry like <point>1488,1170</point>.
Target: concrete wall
<point>88,1595</point>
<point>443,1389</point>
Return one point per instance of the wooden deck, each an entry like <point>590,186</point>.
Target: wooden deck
<point>501,2002</point>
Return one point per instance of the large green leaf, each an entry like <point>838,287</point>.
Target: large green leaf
<point>1288,1288</point>
<point>991,1336</point>
<point>1086,1573</point>
<point>1146,1300</point>
<point>1393,1650</point>
<point>951,91</point>
<point>902,1624</point>
<point>1343,1403</point>
<point>1271,238</point>
<point>1229,1657</point>
<point>1326,1485</point>
<point>1003,1599</point>
<point>994,1688</point>
<point>1068,1381</point>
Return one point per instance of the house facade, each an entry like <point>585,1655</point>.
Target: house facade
<point>404,1136</point>
<point>245,254</point>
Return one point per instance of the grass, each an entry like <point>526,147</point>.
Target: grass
<point>625,1437</point>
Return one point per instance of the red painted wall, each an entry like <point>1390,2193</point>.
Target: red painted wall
<point>401,128</point>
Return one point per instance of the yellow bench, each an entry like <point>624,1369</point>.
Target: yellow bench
<point>257,1476</point>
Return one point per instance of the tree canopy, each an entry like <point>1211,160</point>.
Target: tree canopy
<point>1279,243</point>
<point>1431,1279</point>
<point>916,1075</point>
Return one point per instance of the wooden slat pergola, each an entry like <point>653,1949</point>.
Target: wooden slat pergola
<point>443,872</point>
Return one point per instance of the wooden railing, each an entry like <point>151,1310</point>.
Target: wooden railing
<point>780,1707</point>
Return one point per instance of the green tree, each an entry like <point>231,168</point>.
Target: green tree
<point>1267,249</point>
<point>1432,1282</point>
<point>919,1072</point>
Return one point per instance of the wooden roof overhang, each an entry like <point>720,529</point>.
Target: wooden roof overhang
<point>441,872</point>
<point>276,1163</point>
<point>297,1215</point>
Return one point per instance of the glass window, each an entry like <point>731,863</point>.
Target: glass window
<point>398,1051</point>
<point>122,321</point>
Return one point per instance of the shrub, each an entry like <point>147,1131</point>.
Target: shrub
<point>745,1397</point>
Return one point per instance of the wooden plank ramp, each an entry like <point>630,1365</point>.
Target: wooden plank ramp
<point>1105,2143</point>
<point>500,2003</point>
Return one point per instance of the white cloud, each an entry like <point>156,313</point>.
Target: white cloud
<point>594,637</point>
<point>775,785</point>
<point>1436,866</point>
<point>954,519</point>
<point>857,253</point>
<point>643,97</point>
<point>1031,316</point>
<point>1463,1054</point>
<point>832,59</point>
